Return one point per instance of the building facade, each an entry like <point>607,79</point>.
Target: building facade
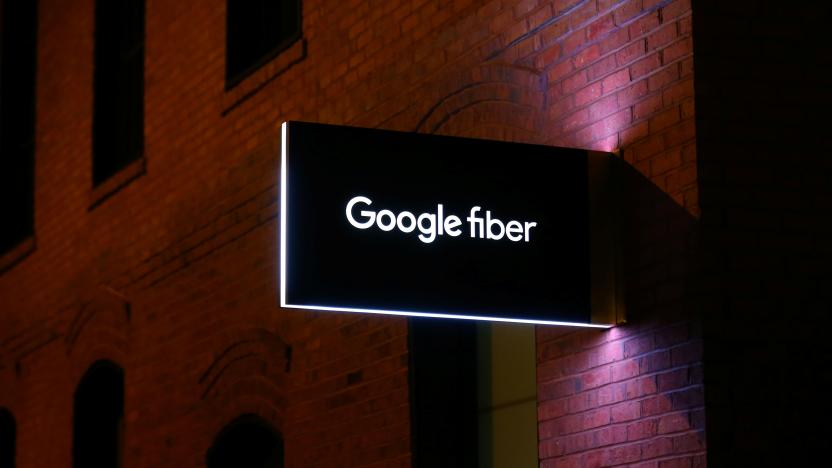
<point>164,264</point>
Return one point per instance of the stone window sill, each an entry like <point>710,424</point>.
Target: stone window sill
<point>257,80</point>
<point>120,179</point>
<point>14,256</point>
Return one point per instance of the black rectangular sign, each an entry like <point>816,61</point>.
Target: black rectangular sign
<point>411,224</point>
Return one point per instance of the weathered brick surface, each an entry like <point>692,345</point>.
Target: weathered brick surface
<point>174,277</point>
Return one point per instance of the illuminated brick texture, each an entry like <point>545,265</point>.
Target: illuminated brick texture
<point>173,276</point>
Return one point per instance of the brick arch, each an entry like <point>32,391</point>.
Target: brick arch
<point>493,100</point>
<point>255,364</point>
<point>99,330</point>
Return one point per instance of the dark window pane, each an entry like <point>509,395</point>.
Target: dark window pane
<point>98,417</point>
<point>257,30</point>
<point>247,442</point>
<point>118,114</point>
<point>18,59</point>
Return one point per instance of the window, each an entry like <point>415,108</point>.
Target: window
<point>118,109</point>
<point>98,417</point>
<point>8,436</point>
<point>256,31</point>
<point>18,59</point>
<point>247,442</point>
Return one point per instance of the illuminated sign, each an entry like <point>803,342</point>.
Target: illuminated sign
<point>386,222</point>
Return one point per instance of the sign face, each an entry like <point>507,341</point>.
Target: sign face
<point>411,224</point>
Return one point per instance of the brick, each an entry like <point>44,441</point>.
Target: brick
<point>556,389</point>
<point>690,398</point>
<point>602,68</point>
<point>603,107</point>
<point>637,346</point>
<point>585,12</point>
<point>553,32</point>
<point>588,94</point>
<point>674,379</point>
<point>550,448</point>
<point>561,70</point>
<point>609,394</point>
<point>621,455</point>
<point>626,411</point>
<point>645,66</point>
<point>656,448</point>
<point>665,119</point>
<point>625,370</point>
<point>573,42</point>
<point>644,25</point>
<point>607,127</point>
<point>577,119</point>
<point>655,361</point>
<point>681,133</point>
<point>677,50</point>
<point>587,56</point>
<point>675,422</point>
<point>600,27</point>
<point>641,429</point>
<point>655,405</point>
<point>627,11</point>
<point>595,378</point>
<point>647,107</point>
<point>523,7</point>
<point>551,409</point>
<point>693,442</point>
<point>632,93</point>
<point>515,31</point>
<point>685,26</point>
<point>616,39</point>
<point>677,92</point>
<point>563,5</point>
<point>640,387</point>
<point>574,82</point>
<point>549,56</point>
<point>685,462</point>
<point>631,52</point>
<point>543,14</point>
<point>675,9</point>
<point>616,80</point>
<point>662,36</point>
<point>634,133</point>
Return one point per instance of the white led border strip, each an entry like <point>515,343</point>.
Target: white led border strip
<point>283,234</point>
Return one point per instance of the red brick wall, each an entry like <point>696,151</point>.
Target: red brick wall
<point>174,276</point>
<point>620,75</point>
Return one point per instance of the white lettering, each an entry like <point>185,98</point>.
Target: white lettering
<point>411,221</point>
<point>529,227</point>
<point>428,234</point>
<point>473,221</point>
<point>491,223</point>
<point>452,226</point>
<point>369,214</point>
<point>386,226</point>
<point>512,228</point>
<point>433,225</point>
